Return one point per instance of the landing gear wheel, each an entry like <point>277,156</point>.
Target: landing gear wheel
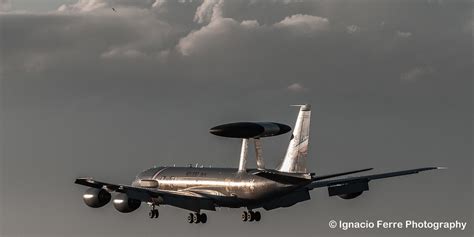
<point>244,216</point>
<point>196,218</point>
<point>191,218</point>
<point>203,218</point>
<point>153,213</point>
<point>257,216</point>
<point>251,216</point>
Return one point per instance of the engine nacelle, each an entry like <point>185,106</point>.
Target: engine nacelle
<point>348,191</point>
<point>287,200</point>
<point>350,195</point>
<point>96,198</point>
<point>125,204</point>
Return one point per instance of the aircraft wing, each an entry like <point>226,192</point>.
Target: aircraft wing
<point>184,199</point>
<point>298,178</point>
<point>358,184</point>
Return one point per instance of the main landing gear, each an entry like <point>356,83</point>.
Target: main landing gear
<point>153,213</point>
<point>251,216</point>
<point>197,218</point>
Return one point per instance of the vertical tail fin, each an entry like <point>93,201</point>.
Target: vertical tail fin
<point>295,158</point>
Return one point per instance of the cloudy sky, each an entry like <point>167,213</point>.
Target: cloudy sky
<point>88,91</point>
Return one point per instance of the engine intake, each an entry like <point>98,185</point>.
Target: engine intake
<point>96,198</point>
<point>348,191</point>
<point>125,204</point>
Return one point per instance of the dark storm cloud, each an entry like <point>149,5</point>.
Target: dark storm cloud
<point>89,91</point>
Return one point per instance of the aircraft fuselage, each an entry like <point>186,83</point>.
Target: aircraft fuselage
<point>231,187</point>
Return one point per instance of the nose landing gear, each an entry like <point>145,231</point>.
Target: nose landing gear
<point>197,218</point>
<point>251,216</point>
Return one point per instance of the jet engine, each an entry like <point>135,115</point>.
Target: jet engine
<point>349,190</point>
<point>95,198</point>
<point>350,195</point>
<point>125,204</point>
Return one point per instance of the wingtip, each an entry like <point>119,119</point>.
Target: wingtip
<point>86,179</point>
<point>441,168</point>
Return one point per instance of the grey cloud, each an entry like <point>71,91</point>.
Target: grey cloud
<point>83,5</point>
<point>159,3</point>
<point>274,1</point>
<point>220,28</point>
<point>469,26</point>
<point>93,5</point>
<point>208,35</point>
<point>146,34</point>
<point>297,87</point>
<point>150,35</point>
<point>5,5</point>
<point>135,33</point>
<point>352,29</point>
<point>209,10</point>
<point>304,24</point>
<point>416,73</point>
<point>119,52</point>
<point>402,34</point>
